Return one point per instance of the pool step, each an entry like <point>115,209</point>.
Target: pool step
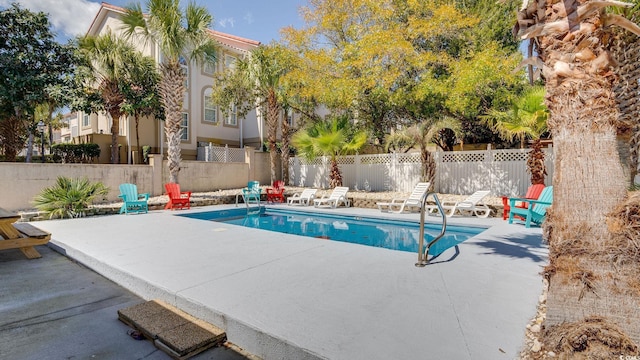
<point>173,331</point>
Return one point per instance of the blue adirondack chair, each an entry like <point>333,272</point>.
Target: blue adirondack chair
<point>133,202</point>
<point>252,192</point>
<point>536,210</point>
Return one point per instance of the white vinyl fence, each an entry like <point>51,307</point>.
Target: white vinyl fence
<point>504,172</point>
<point>220,154</point>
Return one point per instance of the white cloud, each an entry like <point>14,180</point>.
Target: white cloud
<point>249,18</point>
<point>68,17</point>
<point>227,21</point>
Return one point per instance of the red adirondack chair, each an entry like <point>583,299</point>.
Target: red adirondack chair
<point>533,193</point>
<point>177,199</point>
<point>276,192</point>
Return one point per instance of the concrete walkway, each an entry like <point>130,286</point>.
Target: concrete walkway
<point>282,296</point>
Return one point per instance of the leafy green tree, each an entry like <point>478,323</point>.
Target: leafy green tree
<point>109,61</point>
<point>31,62</point>
<point>332,138</point>
<point>253,83</point>
<point>430,55</point>
<point>141,94</point>
<point>179,35</point>
<point>68,197</point>
<point>526,119</point>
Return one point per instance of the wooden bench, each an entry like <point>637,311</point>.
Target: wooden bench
<point>21,236</point>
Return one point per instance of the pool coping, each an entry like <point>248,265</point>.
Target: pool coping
<point>294,297</point>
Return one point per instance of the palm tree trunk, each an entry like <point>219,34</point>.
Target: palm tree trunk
<point>535,163</point>
<point>335,177</point>
<point>588,177</point>
<point>286,133</point>
<point>137,120</point>
<point>273,114</point>
<point>171,90</point>
<point>115,129</point>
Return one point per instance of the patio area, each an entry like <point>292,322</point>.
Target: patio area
<point>290,297</point>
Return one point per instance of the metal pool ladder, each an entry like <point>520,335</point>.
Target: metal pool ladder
<point>422,251</point>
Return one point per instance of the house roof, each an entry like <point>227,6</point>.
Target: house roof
<point>224,39</point>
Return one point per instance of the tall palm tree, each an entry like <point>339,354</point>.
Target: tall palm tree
<point>177,34</point>
<point>573,40</point>
<point>108,59</point>
<point>527,118</point>
<point>331,138</point>
<point>421,134</point>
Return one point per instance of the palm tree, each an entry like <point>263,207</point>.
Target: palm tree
<point>178,35</point>
<point>331,138</point>
<point>255,82</point>
<point>573,48</point>
<point>69,197</point>
<point>527,118</point>
<point>421,134</point>
<point>108,59</point>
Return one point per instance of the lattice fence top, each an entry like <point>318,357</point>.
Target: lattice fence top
<point>220,154</point>
<point>316,161</point>
<point>346,160</point>
<point>463,157</point>
<point>510,156</point>
<point>374,159</point>
<point>409,158</point>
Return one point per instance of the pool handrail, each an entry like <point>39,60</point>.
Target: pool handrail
<point>422,255</point>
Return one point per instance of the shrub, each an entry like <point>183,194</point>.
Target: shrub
<point>75,153</point>
<point>68,197</point>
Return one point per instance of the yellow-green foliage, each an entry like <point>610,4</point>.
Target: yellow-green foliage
<point>411,49</point>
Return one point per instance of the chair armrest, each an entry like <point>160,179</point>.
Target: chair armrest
<point>144,196</point>
<point>512,201</point>
<point>539,202</point>
<point>122,196</point>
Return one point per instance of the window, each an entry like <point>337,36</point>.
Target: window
<point>209,68</point>
<point>185,69</point>
<point>289,116</point>
<point>229,61</point>
<point>209,110</point>
<point>184,125</point>
<point>86,120</point>
<point>232,118</point>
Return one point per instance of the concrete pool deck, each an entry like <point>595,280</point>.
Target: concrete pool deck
<point>282,296</point>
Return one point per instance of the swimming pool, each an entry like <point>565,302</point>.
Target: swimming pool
<point>386,233</point>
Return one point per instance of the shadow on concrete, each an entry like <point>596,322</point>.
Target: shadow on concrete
<point>54,308</point>
<point>523,246</point>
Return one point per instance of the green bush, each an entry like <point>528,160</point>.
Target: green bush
<point>75,153</point>
<point>68,197</point>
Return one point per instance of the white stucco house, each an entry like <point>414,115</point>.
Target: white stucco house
<point>203,122</point>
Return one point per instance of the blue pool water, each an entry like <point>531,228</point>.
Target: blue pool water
<point>391,234</point>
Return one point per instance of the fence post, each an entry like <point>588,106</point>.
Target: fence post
<point>393,172</point>
<point>356,163</point>
<point>226,153</point>
<point>249,157</point>
<point>208,150</point>
<point>490,165</point>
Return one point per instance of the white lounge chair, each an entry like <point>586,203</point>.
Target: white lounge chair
<point>338,195</point>
<point>414,201</point>
<point>303,198</point>
<point>471,205</point>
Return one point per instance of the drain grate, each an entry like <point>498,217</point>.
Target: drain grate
<point>172,330</point>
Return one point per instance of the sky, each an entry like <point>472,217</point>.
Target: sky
<point>259,20</point>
